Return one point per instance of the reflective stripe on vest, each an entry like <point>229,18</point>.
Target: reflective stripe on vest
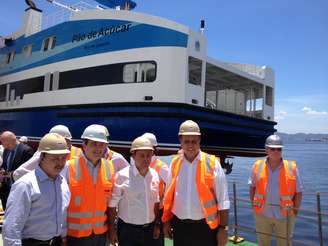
<point>110,155</point>
<point>156,164</point>
<point>287,187</point>
<point>77,169</point>
<point>88,226</point>
<point>86,214</point>
<point>204,184</point>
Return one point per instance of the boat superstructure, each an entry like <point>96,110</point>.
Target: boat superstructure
<point>133,73</point>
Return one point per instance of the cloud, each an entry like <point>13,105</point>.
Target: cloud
<point>280,115</point>
<point>310,111</point>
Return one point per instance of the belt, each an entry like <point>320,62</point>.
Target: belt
<point>134,225</point>
<point>189,221</point>
<point>31,241</point>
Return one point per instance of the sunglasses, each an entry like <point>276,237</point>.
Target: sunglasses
<point>275,149</point>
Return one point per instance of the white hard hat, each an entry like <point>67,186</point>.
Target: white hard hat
<point>151,137</point>
<point>105,128</point>
<point>273,141</point>
<point>189,127</point>
<point>53,143</point>
<point>95,133</point>
<point>141,143</point>
<point>62,131</point>
<point>23,139</point>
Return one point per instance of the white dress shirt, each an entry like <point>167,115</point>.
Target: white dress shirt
<point>135,195</point>
<point>186,203</point>
<point>118,160</point>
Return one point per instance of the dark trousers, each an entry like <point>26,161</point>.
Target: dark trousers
<point>56,241</point>
<point>4,193</point>
<point>92,240</point>
<point>192,233</point>
<point>136,235</point>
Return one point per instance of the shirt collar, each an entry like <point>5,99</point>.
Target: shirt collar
<point>88,162</point>
<point>134,168</point>
<point>198,157</point>
<point>42,176</point>
<point>278,167</point>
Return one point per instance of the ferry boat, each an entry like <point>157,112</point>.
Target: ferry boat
<point>133,73</point>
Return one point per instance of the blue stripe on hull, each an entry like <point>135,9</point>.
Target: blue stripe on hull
<point>76,39</point>
<point>125,122</point>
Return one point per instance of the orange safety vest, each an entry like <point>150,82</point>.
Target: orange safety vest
<point>89,202</point>
<point>75,153</point>
<point>110,154</point>
<point>205,188</point>
<point>287,187</point>
<point>157,164</point>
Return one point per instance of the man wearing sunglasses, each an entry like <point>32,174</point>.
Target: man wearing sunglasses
<point>275,193</point>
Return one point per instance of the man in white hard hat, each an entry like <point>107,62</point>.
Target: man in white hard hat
<point>196,201</point>
<point>162,170</point>
<point>118,160</point>
<point>275,193</point>
<point>37,204</point>
<point>23,139</point>
<point>136,196</point>
<point>32,163</point>
<point>90,179</point>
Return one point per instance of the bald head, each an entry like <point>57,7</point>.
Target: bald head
<point>8,140</point>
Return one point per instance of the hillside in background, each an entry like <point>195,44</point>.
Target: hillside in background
<point>303,138</point>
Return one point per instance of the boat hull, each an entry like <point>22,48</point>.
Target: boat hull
<point>223,133</point>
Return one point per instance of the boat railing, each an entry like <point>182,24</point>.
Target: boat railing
<point>315,215</point>
<point>65,13</point>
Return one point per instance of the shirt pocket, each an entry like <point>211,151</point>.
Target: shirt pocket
<point>154,191</point>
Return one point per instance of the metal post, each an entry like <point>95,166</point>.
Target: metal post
<point>235,231</point>
<point>319,219</point>
<point>287,226</point>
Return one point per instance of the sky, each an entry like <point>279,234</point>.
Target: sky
<point>289,36</point>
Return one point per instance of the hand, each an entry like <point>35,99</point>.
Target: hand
<point>63,241</point>
<point>167,229</point>
<point>222,237</point>
<point>4,174</point>
<point>112,236</point>
<point>157,231</point>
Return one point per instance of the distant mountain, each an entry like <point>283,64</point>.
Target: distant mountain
<point>303,137</point>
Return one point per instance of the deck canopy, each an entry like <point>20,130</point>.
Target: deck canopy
<point>231,92</point>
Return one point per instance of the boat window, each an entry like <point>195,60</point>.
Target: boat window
<point>10,57</point>
<point>108,74</point>
<point>27,86</point>
<point>27,50</point>
<point>49,43</point>
<point>53,43</point>
<point>269,96</point>
<point>3,89</point>
<point>195,70</point>
<point>139,72</point>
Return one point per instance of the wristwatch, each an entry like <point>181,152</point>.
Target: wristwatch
<point>224,227</point>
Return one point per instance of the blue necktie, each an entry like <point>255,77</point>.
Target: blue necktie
<point>9,159</point>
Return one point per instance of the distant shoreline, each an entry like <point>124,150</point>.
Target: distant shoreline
<point>303,137</point>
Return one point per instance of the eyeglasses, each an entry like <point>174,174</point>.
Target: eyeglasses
<point>275,149</point>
